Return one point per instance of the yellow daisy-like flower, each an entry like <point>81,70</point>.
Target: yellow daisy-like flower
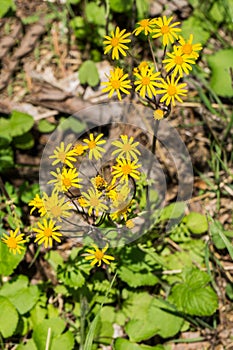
<point>56,208</point>
<point>178,62</point>
<point>94,201</point>
<point>158,114</point>
<point>145,25</point>
<point>99,183</point>
<point>172,90</point>
<point>65,180</point>
<point>46,232</point>
<point>166,30</point>
<point>93,144</point>
<point>119,193</point>
<point>188,48</point>
<point>123,208</point>
<point>98,255</point>
<point>37,203</point>
<point>126,168</point>
<point>79,149</point>
<point>127,147</point>
<point>116,42</point>
<point>117,83</point>
<point>129,224</point>
<point>14,241</point>
<point>146,82</point>
<point>143,64</point>
<point>64,155</point>
<point>82,202</point>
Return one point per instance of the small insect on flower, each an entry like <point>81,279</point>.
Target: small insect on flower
<point>116,42</point>
<point>166,30</point>
<point>64,155</point>
<point>117,83</point>
<point>93,145</point>
<point>46,232</point>
<point>14,241</point>
<point>98,255</point>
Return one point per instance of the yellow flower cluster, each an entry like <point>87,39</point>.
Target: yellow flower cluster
<point>110,199</point>
<point>158,87</point>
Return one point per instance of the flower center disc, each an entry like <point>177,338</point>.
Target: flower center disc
<point>114,42</point>
<point>62,156</point>
<point>99,255</point>
<point>66,182</point>
<point>145,81</point>
<point>48,232</point>
<point>165,29</point>
<point>11,242</point>
<point>171,90</point>
<point>116,84</point>
<point>144,23</point>
<point>126,169</point>
<point>187,49</point>
<point>56,211</point>
<point>92,144</point>
<point>178,60</point>
<point>94,202</point>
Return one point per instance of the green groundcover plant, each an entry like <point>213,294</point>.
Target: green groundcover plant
<point>135,295</point>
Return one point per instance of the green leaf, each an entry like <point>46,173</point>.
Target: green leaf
<point>215,228</point>
<point>8,317</point>
<point>22,296</point>
<point>38,314</point>
<point>5,128</point>
<point>72,123</point>
<point>197,27</point>
<point>172,211</point>
<point>25,141</point>
<point>5,140</point>
<point>137,279</point>
<point>5,6</point>
<point>30,345</point>
<point>104,332</point>
<point>88,73</point>
<point>8,261</point>
<point>148,317</point>
<point>95,14</point>
<point>142,8</point>
<point>40,332</point>
<point>193,296</point>
<point>91,333</point>
<point>229,291</point>
<point>124,344</point>
<point>220,63</point>
<point>44,126</point>
<point>63,341</point>
<point>73,2</point>
<point>6,159</point>
<point>121,5</point>
<point>196,223</point>
<point>28,192</point>
<point>20,123</point>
